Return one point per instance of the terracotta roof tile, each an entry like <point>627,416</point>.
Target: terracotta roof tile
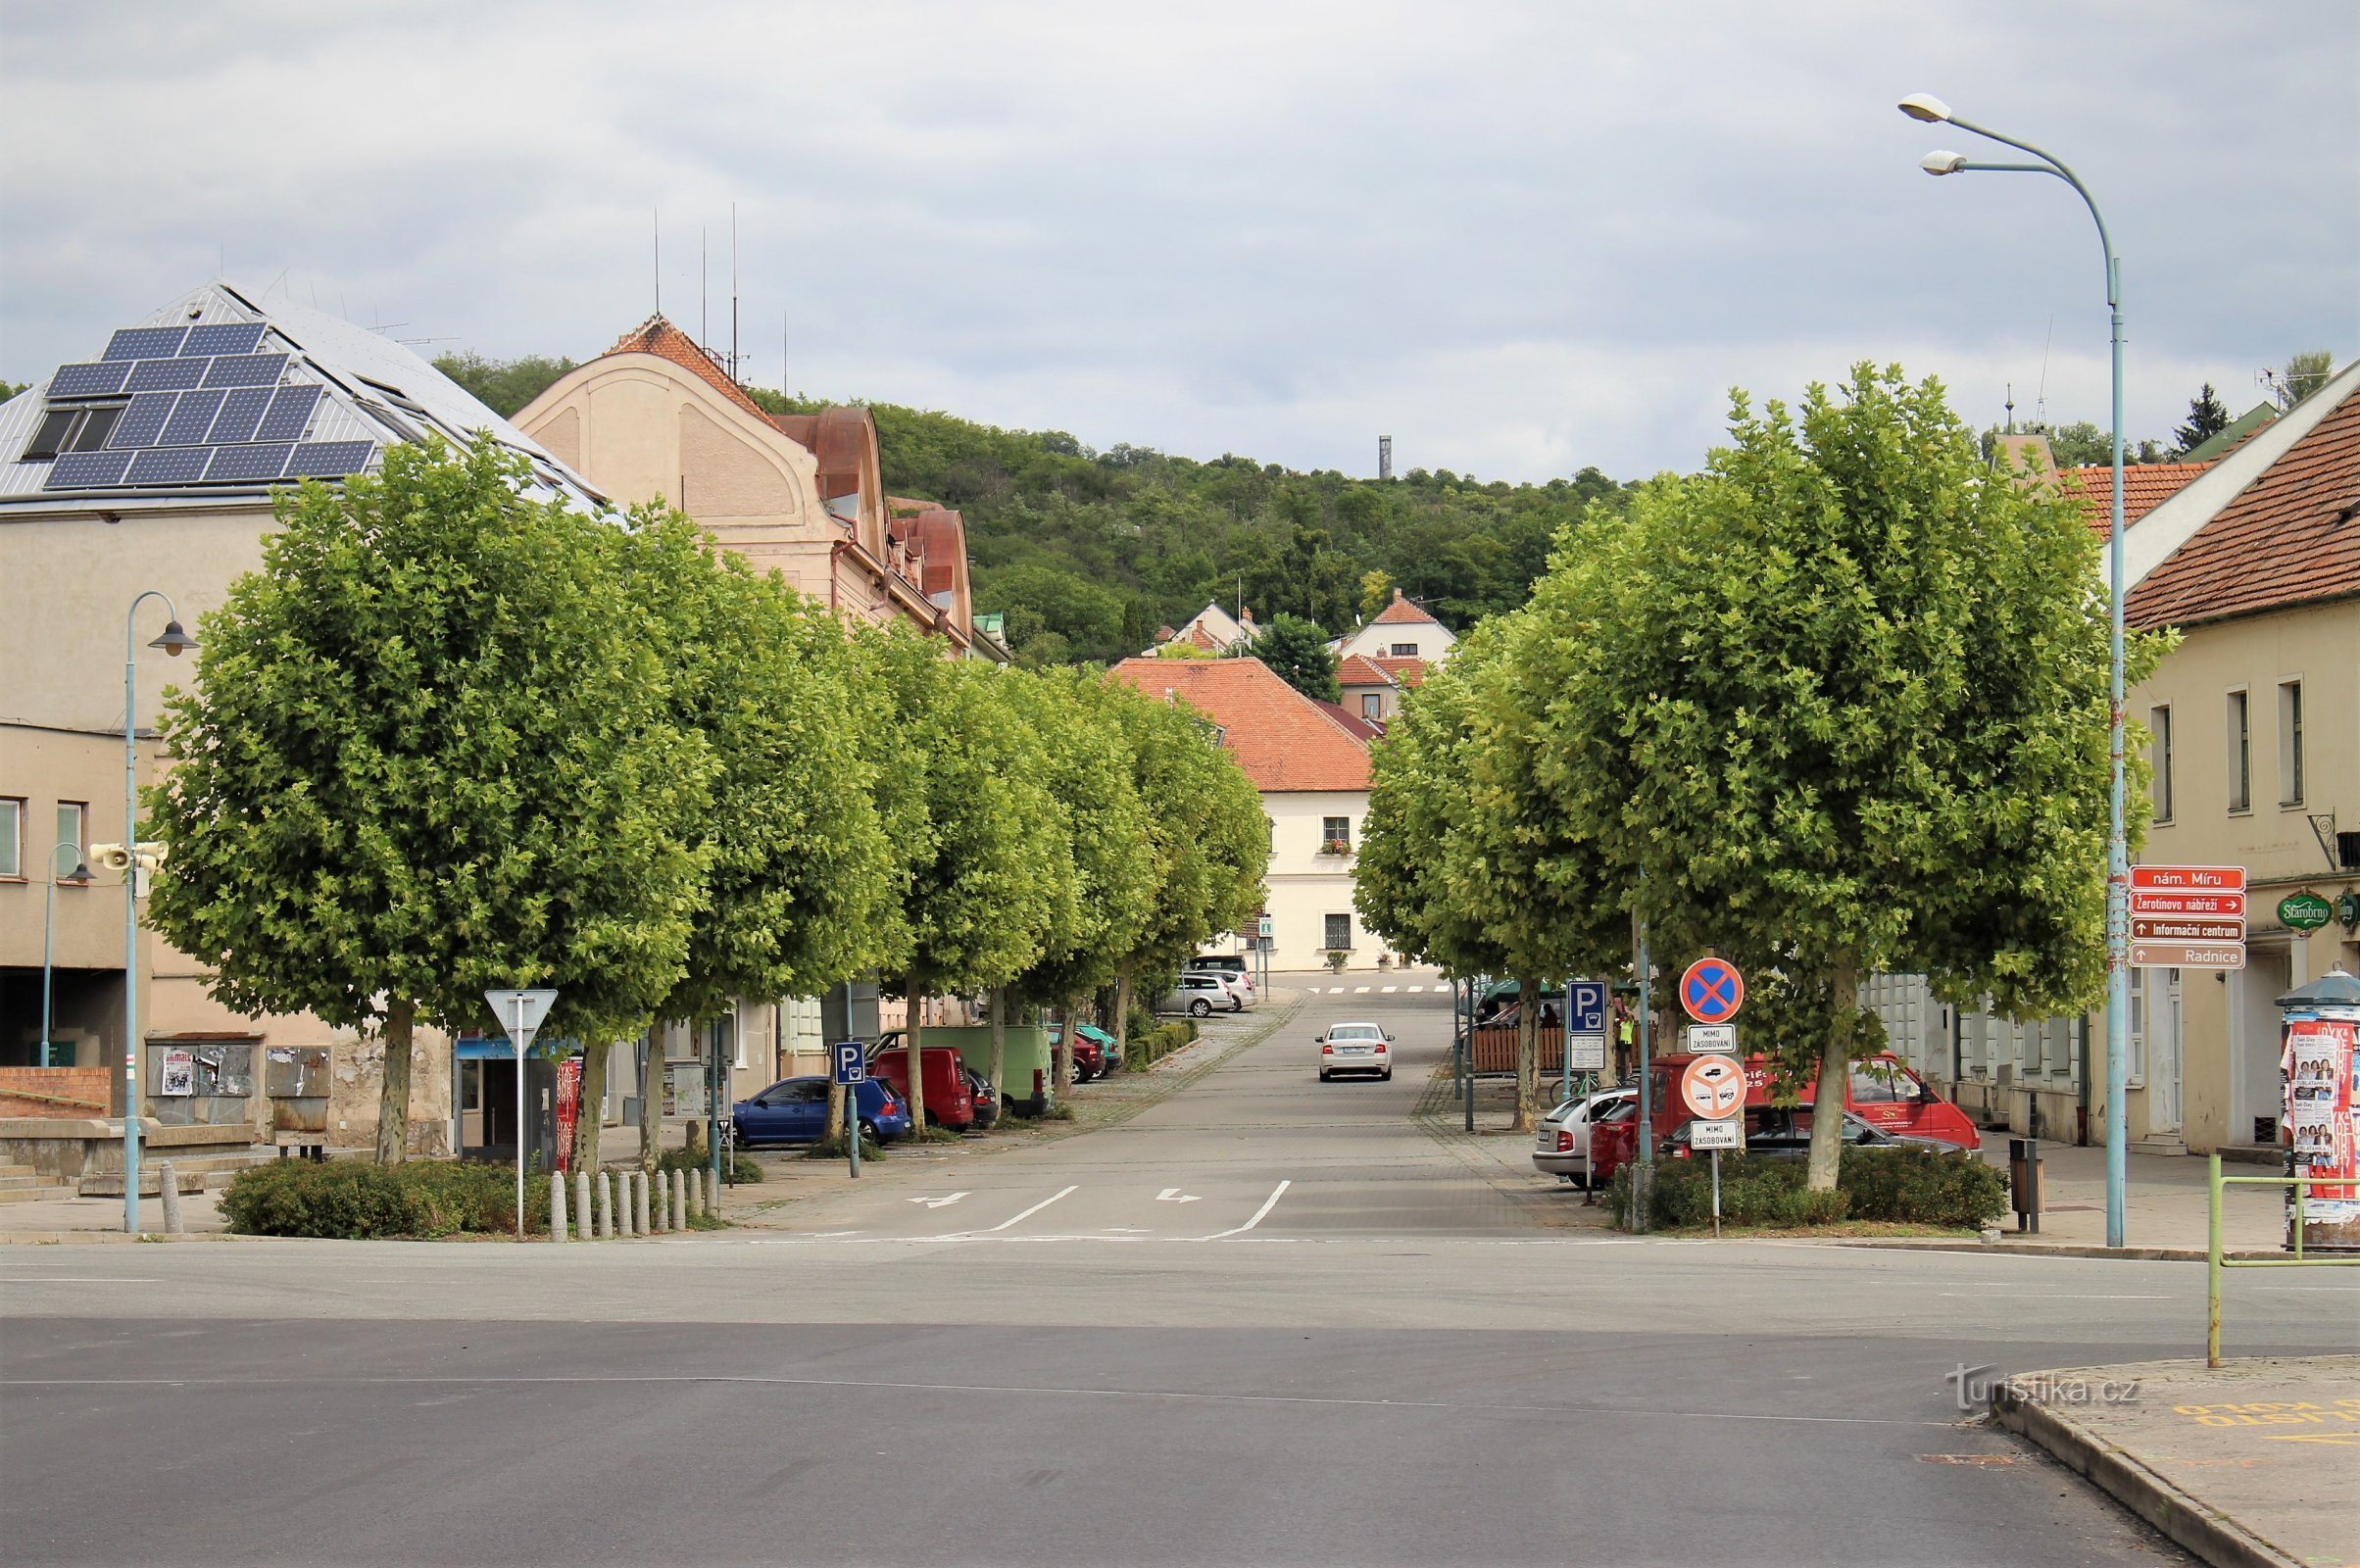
<point>1357,670</point>
<point>1366,730</point>
<point>2145,486</point>
<point>1402,613</point>
<point>658,337</point>
<point>2291,537</point>
<point>1284,740</point>
<point>1408,673</point>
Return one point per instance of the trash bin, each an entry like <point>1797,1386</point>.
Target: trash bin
<point>2024,1183</point>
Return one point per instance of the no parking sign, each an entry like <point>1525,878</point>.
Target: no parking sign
<point>1713,990</point>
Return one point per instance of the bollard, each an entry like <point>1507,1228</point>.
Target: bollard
<point>557,1209</point>
<point>661,1202</point>
<point>696,1192</point>
<point>639,1201</point>
<point>582,1204</point>
<point>626,1214</point>
<point>168,1186</point>
<point>679,1200</point>
<point>606,1205</point>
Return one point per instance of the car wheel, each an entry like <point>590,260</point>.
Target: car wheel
<point>1385,1076</point>
<point>1323,1077</point>
<point>868,1129</point>
<point>1200,1008</point>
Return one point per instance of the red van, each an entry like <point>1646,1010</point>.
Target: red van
<point>1884,1093</point>
<point>950,1103</point>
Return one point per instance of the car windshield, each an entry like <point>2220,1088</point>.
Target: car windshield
<point>1355,1031</point>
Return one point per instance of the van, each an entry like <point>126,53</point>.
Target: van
<point>1025,1060</point>
<point>948,1102</point>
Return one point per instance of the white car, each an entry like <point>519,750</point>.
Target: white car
<point>1236,986</point>
<point>1561,1146</point>
<point>1355,1048</point>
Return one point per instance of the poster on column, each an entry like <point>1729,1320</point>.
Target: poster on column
<point>2323,1125</point>
<point>569,1106</point>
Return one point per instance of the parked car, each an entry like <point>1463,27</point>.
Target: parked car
<point>1784,1131</point>
<point>1363,1047</point>
<point>948,1102</point>
<point>1198,995</point>
<point>1023,1060</point>
<point>1229,963</point>
<point>794,1110</point>
<point>1240,990</point>
<point>987,1098</point>
<point>1094,1052</point>
<point>1561,1147</point>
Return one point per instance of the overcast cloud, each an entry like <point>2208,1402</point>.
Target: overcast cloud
<point>1518,238</point>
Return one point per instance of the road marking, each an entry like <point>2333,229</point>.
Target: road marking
<point>78,1279</point>
<point>1173,1195</point>
<point>1415,990</point>
<point>1388,990</point>
<point>1976,1296</point>
<point>1030,1213</point>
<point>937,1203</point>
<point>1268,1204</point>
<point>1335,990</point>
<point>1359,991</point>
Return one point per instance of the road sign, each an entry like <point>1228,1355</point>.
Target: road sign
<point>1267,928</point>
<point>2188,917</point>
<point>2157,930</point>
<point>2229,905</point>
<point>2187,955</point>
<point>2195,878</point>
<point>1703,1037</point>
<point>851,1066</point>
<point>1727,1133</point>
<point>1586,1026</point>
<point>2304,911</point>
<point>1713,1087</point>
<point>520,1013</point>
<point>1711,990</point>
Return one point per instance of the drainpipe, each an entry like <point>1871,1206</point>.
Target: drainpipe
<point>2081,1082</point>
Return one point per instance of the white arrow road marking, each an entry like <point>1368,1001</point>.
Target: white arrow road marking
<point>937,1203</point>
<point>1268,1204</point>
<point>1173,1195</point>
<point>1030,1213</point>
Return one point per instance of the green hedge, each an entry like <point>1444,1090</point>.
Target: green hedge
<point>1146,1046</point>
<point>356,1200</point>
<point>1907,1185</point>
<point>684,1159</point>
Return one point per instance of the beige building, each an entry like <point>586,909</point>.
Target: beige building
<point>1402,629</point>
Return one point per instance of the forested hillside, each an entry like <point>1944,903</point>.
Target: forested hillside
<point>1088,552</point>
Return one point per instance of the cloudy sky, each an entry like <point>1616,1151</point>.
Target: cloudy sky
<point>1518,238</point>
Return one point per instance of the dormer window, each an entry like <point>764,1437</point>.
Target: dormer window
<point>71,429</point>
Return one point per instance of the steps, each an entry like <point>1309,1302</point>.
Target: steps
<point>194,1173</point>
<point>22,1183</point>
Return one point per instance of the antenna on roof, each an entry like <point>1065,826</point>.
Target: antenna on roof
<point>2011,408</point>
<point>2041,393</point>
<point>704,287</point>
<point>656,222</point>
<point>733,297</point>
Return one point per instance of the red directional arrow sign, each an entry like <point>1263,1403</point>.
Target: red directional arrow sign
<point>2188,917</point>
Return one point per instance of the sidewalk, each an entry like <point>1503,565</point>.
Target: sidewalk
<point>2256,1463</point>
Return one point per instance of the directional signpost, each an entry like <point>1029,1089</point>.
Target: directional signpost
<point>2188,917</point>
<point>1714,1084</point>
<point>852,1068</point>
<point>520,1013</point>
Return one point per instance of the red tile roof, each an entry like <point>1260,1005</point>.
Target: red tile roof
<point>1402,613</point>
<point>1357,670</point>
<point>1284,740</point>
<point>2145,486</point>
<point>1408,673</point>
<point>2291,537</point>
<point>1368,729</point>
<point>658,337</point>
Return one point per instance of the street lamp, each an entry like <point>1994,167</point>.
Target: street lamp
<point>174,642</point>
<point>80,876</point>
<point>1933,111</point>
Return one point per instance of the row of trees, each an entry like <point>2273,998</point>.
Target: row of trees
<point>451,737</point>
<point>1836,705</point>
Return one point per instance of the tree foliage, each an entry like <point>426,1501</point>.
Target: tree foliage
<point>1297,652</point>
<point>2303,375</point>
<point>2207,418</point>
<point>503,385</point>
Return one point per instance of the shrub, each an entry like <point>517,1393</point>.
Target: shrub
<point>1150,1045</point>
<point>1919,1187</point>
<point>352,1201</point>
<point>745,1170</point>
<point>1907,1185</point>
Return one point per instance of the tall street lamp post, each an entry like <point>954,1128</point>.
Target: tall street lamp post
<point>80,876</point>
<point>174,642</point>
<point>1933,111</point>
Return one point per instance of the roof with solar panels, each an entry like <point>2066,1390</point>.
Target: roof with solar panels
<point>219,397</point>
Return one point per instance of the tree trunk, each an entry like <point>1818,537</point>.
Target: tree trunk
<point>1528,1060</point>
<point>1060,1053</point>
<point>587,1123</point>
<point>999,1043</point>
<point>393,1091</point>
<point>1123,1015</point>
<point>650,1099</point>
<point>917,1061</point>
<point>1835,1077</point>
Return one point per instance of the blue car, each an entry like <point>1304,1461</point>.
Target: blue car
<point>794,1110</point>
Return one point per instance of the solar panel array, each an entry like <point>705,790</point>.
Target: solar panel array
<point>207,407</point>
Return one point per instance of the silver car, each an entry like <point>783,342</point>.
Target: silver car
<point>1198,995</point>
<point>1561,1146</point>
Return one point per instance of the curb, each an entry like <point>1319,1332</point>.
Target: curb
<point>2211,1535</point>
<point>2142,1254</point>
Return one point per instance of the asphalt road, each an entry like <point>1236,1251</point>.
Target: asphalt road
<point>1394,1363</point>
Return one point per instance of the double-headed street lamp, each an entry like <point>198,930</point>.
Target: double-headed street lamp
<point>1924,107</point>
<point>80,876</point>
<point>174,642</point>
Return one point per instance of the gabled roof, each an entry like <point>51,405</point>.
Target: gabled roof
<point>1286,741</point>
<point>2234,431</point>
<point>1408,673</point>
<point>1404,611</point>
<point>658,337</point>
<point>2145,486</point>
<point>214,386</point>
<point>2290,536</point>
<point>1357,670</point>
<point>1365,728</point>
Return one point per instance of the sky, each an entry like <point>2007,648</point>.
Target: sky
<point>1518,238</point>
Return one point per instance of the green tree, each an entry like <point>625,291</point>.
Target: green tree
<point>1297,652</point>
<point>2206,418</point>
<point>431,749</point>
<point>2303,375</point>
<point>1841,703</point>
<point>9,389</point>
<point>1042,600</point>
<point>503,385</point>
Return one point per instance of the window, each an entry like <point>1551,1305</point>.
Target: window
<point>1334,835</point>
<point>1403,651</point>
<point>12,837</point>
<point>2159,756</point>
<point>1372,705</point>
<point>71,429</point>
<point>2289,743</point>
<point>2241,754</point>
<point>72,819</point>
<point>1339,933</point>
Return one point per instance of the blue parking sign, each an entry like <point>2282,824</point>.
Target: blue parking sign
<point>1586,1015</point>
<point>852,1066</point>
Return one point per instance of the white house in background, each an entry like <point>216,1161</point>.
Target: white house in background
<point>1212,630</point>
<point>1402,629</point>
<point>1311,762</point>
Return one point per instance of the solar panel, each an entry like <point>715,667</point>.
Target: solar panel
<point>191,420</point>
<point>145,343</point>
<point>170,465</point>
<point>88,380</point>
<point>143,420</point>
<point>330,459</point>
<point>230,337</point>
<point>241,411</point>
<point>167,376</point>
<point>250,463</point>
<point>246,370</point>
<point>290,412</point>
<point>77,470</point>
